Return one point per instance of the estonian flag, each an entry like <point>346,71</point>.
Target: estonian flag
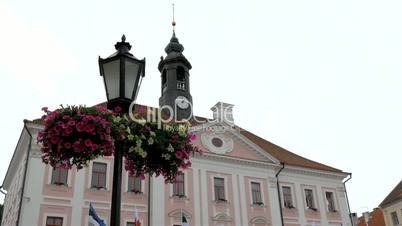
<point>94,219</point>
<point>184,220</point>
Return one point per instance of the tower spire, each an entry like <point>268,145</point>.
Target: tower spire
<point>173,21</point>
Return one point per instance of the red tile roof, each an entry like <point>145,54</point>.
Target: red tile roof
<point>395,195</point>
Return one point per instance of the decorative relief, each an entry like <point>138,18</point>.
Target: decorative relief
<point>217,142</point>
<point>222,217</point>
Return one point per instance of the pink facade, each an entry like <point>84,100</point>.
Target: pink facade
<point>230,185</point>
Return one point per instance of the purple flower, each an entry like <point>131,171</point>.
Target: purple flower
<point>45,109</point>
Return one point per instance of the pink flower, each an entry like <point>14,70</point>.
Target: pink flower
<point>101,109</point>
<point>88,143</point>
<point>179,155</point>
<point>191,136</point>
<point>108,130</point>
<point>117,110</point>
<point>71,123</point>
<point>141,109</point>
<point>67,145</point>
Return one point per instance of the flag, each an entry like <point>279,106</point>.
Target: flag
<point>94,219</point>
<point>184,220</point>
<point>136,218</point>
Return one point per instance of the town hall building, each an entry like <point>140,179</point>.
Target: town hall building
<point>240,180</point>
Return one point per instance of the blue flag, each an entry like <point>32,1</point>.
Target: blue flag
<point>94,219</point>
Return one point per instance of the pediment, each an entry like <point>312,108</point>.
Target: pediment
<point>222,217</point>
<point>223,139</point>
<point>260,221</point>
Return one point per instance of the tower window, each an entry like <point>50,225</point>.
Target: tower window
<point>181,85</point>
<point>164,80</point>
<point>181,74</point>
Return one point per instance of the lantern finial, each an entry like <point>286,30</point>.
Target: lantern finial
<point>123,47</point>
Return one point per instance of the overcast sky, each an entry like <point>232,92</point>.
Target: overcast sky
<point>320,78</point>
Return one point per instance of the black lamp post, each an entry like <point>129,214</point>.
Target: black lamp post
<point>122,74</point>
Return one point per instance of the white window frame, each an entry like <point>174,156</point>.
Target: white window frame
<point>46,215</point>
<point>126,174</point>
<point>185,187</point>
<point>261,191</point>
<point>325,190</point>
<point>392,218</point>
<point>69,175</point>
<point>108,171</point>
<point>225,183</point>
<point>292,193</point>
<point>315,197</point>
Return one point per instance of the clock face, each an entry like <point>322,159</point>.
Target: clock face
<point>182,102</point>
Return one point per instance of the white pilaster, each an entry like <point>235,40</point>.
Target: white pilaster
<point>235,185</point>
<point>197,200</point>
<point>243,202</point>
<point>157,201</point>
<point>204,197</point>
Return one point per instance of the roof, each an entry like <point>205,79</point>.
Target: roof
<point>395,195</point>
<point>283,155</point>
<point>286,156</point>
<point>376,219</point>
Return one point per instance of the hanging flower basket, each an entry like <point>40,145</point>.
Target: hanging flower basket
<point>162,151</point>
<point>77,135</point>
<point>74,136</point>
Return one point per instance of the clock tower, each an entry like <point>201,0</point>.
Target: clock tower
<point>175,82</point>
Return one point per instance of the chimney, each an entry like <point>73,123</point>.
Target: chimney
<point>223,112</point>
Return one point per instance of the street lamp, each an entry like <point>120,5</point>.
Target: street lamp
<point>122,74</point>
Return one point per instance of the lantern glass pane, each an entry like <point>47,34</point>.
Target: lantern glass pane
<point>131,78</point>
<point>112,78</point>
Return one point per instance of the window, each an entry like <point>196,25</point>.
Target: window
<point>256,193</point>
<point>181,85</point>
<point>178,186</point>
<point>287,197</point>
<point>98,175</point>
<point>134,184</point>
<point>394,217</point>
<point>219,189</point>
<point>330,201</point>
<point>181,74</point>
<point>54,221</point>
<point>164,81</point>
<point>309,199</point>
<point>59,176</point>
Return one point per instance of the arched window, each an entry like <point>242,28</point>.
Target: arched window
<point>181,78</point>
<point>181,74</point>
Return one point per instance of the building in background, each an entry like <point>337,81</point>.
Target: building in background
<point>373,218</point>
<point>392,206</point>
<point>241,179</point>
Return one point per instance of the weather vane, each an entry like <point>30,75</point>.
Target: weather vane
<point>173,22</point>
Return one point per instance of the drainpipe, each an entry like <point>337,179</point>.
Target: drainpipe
<point>25,173</point>
<point>279,192</point>
<point>347,199</point>
<point>1,190</point>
